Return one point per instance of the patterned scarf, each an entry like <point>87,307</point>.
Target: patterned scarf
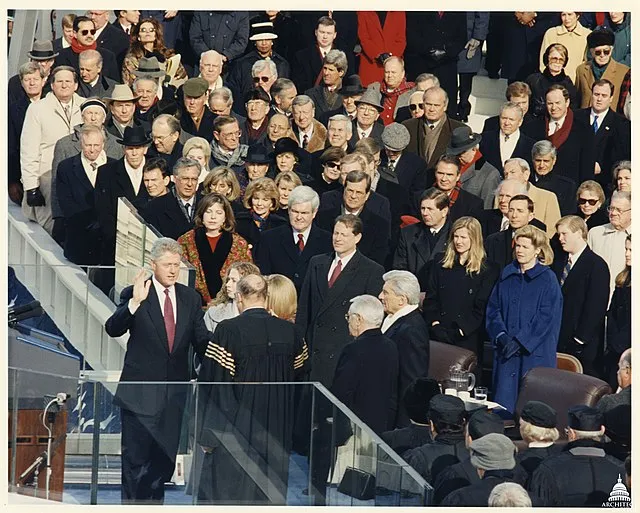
<point>390,99</point>
<point>260,221</point>
<point>455,192</point>
<point>235,159</point>
<point>76,47</point>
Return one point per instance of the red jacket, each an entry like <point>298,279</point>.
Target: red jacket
<point>375,40</point>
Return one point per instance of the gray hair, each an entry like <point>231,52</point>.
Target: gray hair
<point>341,118</point>
<point>521,187</point>
<point>512,106</point>
<point>169,120</point>
<point>185,163</point>
<point>145,78</point>
<point>524,165</point>
<point>369,308</point>
<point>623,195</point>
<point>224,93</point>
<point>165,245</point>
<point>543,147</point>
<point>260,65</point>
<point>92,129</point>
<point>30,67</point>
<point>338,58</point>
<point>302,99</point>
<point>509,495</point>
<point>404,283</point>
<point>304,194</point>
<point>596,436</point>
<point>90,55</point>
<point>423,77</point>
<point>210,53</point>
<point>281,85</point>
<point>438,89</point>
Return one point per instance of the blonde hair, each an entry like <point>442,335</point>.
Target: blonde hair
<point>531,433</point>
<point>218,174</point>
<point>266,186</point>
<point>282,298</point>
<point>288,177</point>
<point>199,143</point>
<point>593,187</point>
<point>539,240</point>
<point>575,224</point>
<point>243,268</point>
<point>477,255</point>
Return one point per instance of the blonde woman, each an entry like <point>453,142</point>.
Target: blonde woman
<point>199,149</point>
<point>282,298</point>
<point>286,181</point>
<point>524,314</point>
<point>223,181</point>
<point>458,287</point>
<point>261,199</point>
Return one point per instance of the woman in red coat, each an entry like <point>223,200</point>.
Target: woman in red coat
<point>212,246</point>
<point>379,33</point>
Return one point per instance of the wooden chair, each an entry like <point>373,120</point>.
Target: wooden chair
<point>569,363</point>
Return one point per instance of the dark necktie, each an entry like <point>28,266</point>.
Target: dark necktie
<point>565,272</point>
<point>506,138</point>
<point>187,209</point>
<point>336,272</point>
<point>595,124</point>
<point>169,321</point>
<point>300,243</point>
<point>305,141</point>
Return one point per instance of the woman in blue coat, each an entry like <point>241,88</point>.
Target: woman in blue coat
<point>524,315</point>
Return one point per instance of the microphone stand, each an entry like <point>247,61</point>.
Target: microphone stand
<point>50,417</point>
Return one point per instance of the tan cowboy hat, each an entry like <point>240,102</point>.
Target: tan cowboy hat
<point>122,93</point>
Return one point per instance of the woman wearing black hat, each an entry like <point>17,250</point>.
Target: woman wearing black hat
<point>288,157</point>
<point>555,58</point>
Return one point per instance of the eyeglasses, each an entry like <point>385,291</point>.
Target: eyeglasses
<point>347,317</point>
<point>231,134</point>
<point>367,109</point>
<point>88,31</point>
<point>261,79</point>
<point>332,165</point>
<point>583,201</point>
<point>556,59</point>
<point>604,51</point>
<point>616,210</point>
<point>145,30</point>
<point>159,137</point>
<point>416,106</point>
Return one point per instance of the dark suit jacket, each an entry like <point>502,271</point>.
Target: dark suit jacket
<point>417,247</point>
<point>376,232</point>
<point>307,64</point>
<point>278,253</point>
<point>167,216</point>
<point>148,358</point>
<point>322,106</point>
<point>576,157</point>
<point>246,227</point>
<point>103,88</point>
<point>490,149</point>
<point>417,142</point>
<point>117,41</point>
<point>76,195</point>
<point>321,309</point>
<point>171,158</point>
<point>612,141</point>
<point>586,296</point>
<point>112,183</point>
<point>411,336</point>
<point>492,124</point>
<point>377,203</point>
<point>499,249</point>
<point>411,172</point>
<point>67,57</point>
<point>491,221</point>
<point>366,379</point>
<point>467,204</point>
<point>564,188</point>
<point>376,132</point>
<point>206,124</point>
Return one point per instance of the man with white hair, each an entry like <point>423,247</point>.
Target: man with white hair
<point>288,249</point>
<point>509,495</point>
<point>366,377</point>
<point>211,68</point>
<point>309,133</point>
<point>339,132</point>
<point>583,474</point>
<point>405,325</point>
<point>92,81</point>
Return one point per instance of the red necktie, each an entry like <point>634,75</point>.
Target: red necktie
<point>300,243</point>
<point>335,273</point>
<point>169,321</point>
<point>440,14</point>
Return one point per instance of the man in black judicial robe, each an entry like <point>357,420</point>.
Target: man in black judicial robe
<point>245,429</point>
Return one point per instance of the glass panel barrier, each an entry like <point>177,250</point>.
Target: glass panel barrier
<point>235,443</point>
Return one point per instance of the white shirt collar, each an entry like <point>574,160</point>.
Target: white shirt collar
<point>161,297</point>
<point>86,163</point>
<point>600,116</point>
<point>135,175</point>
<point>552,124</point>
<point>575,256</point>
<point>345,260</point>
<point>512,137</point>
<point>305,235</point>
<point>390,319</point>
<point>308,131</point>
<point>99,31</point>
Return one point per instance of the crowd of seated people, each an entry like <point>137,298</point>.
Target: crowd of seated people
<point>333,152</point>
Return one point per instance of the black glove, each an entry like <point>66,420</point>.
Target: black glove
<point>440,333</point>
<point>383,57</point>
<point>511,348</point>
<point>35,198</point>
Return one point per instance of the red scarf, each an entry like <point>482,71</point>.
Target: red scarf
<point>453,195</point>
<point>78,48</point>
<point>476,158</point>
<point>560,136</point>
<point>390,99</point>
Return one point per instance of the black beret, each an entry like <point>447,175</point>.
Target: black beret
<point>483,422</point>
<point>539,414</point>
<point>257,93</point>
<point>585,418</point>
<point>602,37</point>
<point>447,408</point>
<point>417,396</point>
<point>617,423</point>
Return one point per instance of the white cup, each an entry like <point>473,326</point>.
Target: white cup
<point>464,395</point>
<point>450,391</point>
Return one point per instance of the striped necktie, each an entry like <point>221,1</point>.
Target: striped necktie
<point>565,272</point>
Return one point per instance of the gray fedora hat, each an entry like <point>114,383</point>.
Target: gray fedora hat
<point>371,97</point>
<point>149,67</point>
<point>42,51</point>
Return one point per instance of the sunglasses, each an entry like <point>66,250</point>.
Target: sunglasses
<point>416,106</point>
<point>88,31</point>
<point>332,165</point>
<point>261,79</point>
<point>145,30</point>
<point>583,201</point>
<point>606,51</point>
